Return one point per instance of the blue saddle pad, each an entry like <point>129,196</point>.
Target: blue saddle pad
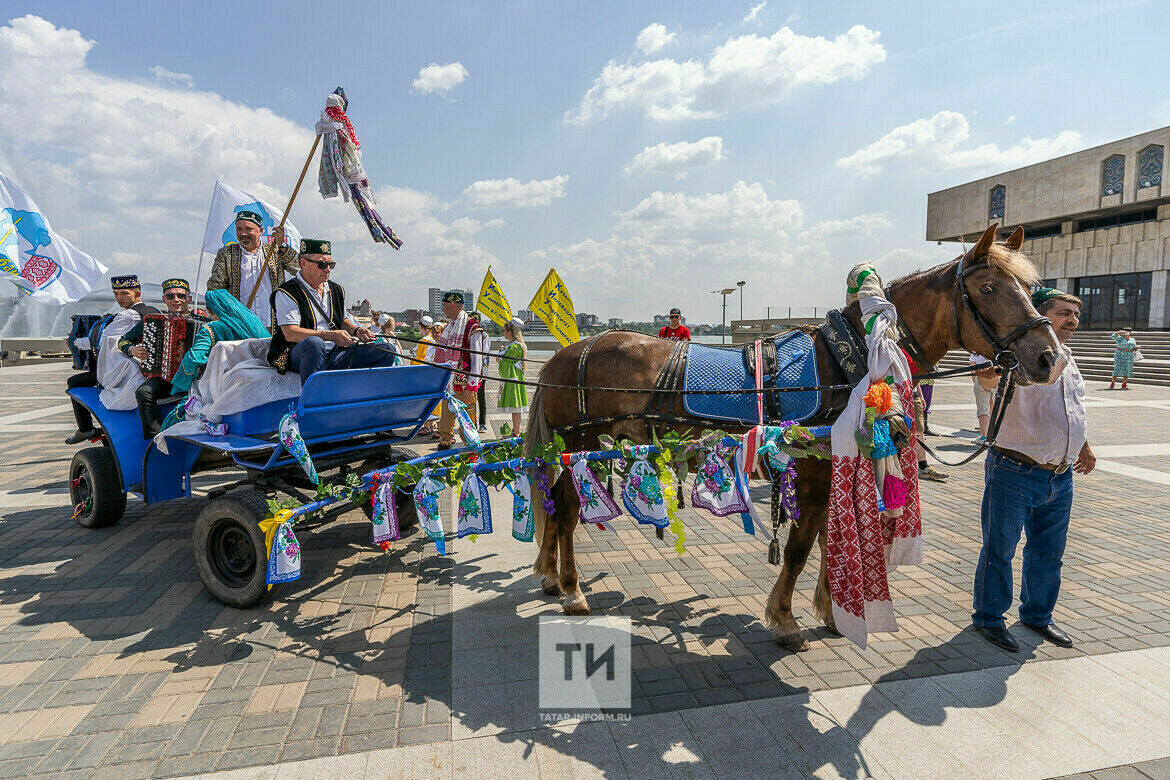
<point>716,368</point>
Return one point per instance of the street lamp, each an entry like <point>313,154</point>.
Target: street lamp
<point>740,285</point>
<point>723,324</point>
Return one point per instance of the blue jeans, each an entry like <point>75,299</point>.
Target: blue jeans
<point>313,354</point>
<point>1019,497</point>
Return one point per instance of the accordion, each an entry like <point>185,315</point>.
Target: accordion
<point>166,338</point>
<point>80,329</point>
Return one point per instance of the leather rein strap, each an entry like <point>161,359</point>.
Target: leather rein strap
<point>1005,358</point>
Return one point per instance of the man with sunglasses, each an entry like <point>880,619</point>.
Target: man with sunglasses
<point>314,332</point>
<point>177,297</point>
<point>676,331</point>
<point>240,267</point>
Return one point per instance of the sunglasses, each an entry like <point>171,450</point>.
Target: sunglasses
<point>324,265</point>
<point>175,296</point>
<point>675,316</point>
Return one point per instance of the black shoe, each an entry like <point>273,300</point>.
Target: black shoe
<point>81,436</point>
<point>1000,637</point>
<point>1052,634</point>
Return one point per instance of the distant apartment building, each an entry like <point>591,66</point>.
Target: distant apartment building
<point>587,320</point>
<point>435,300</point>
<point>526,316</point>
<point>1096,224</point>
<point>615,322</point>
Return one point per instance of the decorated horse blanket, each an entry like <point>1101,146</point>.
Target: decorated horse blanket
<point>716,368</point>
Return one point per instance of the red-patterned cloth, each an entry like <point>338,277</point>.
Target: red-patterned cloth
<point>863,547</point>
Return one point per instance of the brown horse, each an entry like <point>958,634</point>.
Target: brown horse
<point>926,303</point>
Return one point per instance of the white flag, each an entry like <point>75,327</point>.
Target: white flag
<point>45,266</point>
<point>226,202</point>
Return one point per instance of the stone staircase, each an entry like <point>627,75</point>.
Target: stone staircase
<point>1094,354</point>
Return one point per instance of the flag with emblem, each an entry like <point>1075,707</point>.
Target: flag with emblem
<point>226,203</point>
<point>554,306</point>
<point>492,302</point>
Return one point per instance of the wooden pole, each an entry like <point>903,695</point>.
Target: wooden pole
<point>269,251</point>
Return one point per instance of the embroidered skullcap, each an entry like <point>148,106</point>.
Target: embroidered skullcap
<point>127,282</point>
<point>182,284</point>
<point>250,216</point>
<point>454,296</point>
<point>315,246</point>
<point>383,319</point>
<point>1042,295</point>
<point>426,322</point>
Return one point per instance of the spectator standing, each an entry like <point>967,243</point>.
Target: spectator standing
<point>1028,487</point>
<point>513,396</point>
<point>481,394</point>
<point>426,337</point>
<point>386,325</point>
<point>1124,353</point>
<point>675,331</point>
<point>982,396</point>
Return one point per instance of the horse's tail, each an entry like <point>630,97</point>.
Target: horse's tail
<point>537,434</point>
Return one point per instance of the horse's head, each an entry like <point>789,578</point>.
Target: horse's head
<point>997,280</point>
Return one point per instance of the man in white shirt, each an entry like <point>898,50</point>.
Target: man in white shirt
<point>315,332</point>
<point>1029,487</point>
<point>237,267</point>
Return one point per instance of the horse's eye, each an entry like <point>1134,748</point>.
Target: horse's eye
<point>987,289</point>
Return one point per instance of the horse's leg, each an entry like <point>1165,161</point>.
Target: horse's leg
<point>568,512</point>
<point>545,568</point>
<point>822,601</point>
<point>778,615</point>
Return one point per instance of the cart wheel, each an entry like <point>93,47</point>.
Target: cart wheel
<point>407,513</point>
<point>95,490</point>
<point>228,545</point>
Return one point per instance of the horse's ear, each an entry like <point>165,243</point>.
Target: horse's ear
<point>984,244</point>
<point>1015,240</point>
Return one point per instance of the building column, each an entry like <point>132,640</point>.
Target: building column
<point>1064,284</point>
<point>1159,300</point>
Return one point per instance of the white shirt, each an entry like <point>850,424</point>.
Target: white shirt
<point>1047,422</point>
<point>251,265</point>
<point>287,312</point>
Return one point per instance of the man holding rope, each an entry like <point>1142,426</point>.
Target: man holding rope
<point>457,347</point>
<point>240,267</point>
<point>1029,487</point>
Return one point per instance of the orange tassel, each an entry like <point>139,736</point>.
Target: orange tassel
<point>878,396</point>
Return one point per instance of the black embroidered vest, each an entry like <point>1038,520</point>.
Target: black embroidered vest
<point>281,347</point>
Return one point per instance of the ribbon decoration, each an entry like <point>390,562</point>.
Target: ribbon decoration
<point>475,510</point>
<point>426,502</point>
<point>470,432</point>
<point>716,488</point>
<point>597,506</point>
<point>523,521</point>
<point>284,556</point>
<point>385,519</point>
<point>193,409</point>
<point>751,520</point>
<point>642,491</point>
<point>290,437</point>
<point>669,482</point>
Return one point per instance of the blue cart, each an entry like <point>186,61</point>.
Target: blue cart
<point>349,420</point>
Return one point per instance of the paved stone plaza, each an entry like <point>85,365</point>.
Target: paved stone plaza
<point>115,662</point>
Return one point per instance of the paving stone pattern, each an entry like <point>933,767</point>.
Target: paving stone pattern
<point>114,660</point>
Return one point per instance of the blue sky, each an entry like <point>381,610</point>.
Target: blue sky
<point>651,152</point>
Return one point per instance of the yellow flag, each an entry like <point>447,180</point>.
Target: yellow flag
<point>553,305</point>
<point>492,301</point>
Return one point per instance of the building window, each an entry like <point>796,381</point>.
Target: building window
<point>997,202</point>
<point>1149,167</point>
<point>1113,175</point>
<point>1115,220</point>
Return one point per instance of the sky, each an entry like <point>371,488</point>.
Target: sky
<point>651,152</point>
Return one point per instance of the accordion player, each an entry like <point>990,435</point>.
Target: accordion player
<point>166,338</point>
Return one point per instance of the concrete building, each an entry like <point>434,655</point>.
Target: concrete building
<point>615,322</point>
<point>1096,223</point>
<point>435,301</point>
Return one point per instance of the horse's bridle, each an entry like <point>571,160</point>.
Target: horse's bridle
<point>1005,358</point>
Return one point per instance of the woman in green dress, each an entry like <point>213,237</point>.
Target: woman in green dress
<point>1125,349</point>
<point>513,395</point>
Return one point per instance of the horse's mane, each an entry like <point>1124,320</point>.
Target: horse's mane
<point>1014,264</point>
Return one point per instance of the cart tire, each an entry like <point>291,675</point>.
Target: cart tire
<point>407,513</point>
<point>93,477</point>
<point>229,550</point>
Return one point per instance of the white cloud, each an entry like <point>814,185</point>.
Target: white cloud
<point>162,74</point>
<point>746,72</point>
<point>677,158</point>
<point>863,224</point>
<point>125,170</point>
<point>751,15</point>
<point>439,78</point>
<point>935,141</point>
<point>653,38</point>
<point>513,193</point>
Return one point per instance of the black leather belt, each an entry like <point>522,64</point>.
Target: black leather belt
<point>1019,457</point>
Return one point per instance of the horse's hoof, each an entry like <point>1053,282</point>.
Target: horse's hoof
<point>793,643</point>
<point>577,606</point>
<point>550,587</point>
<point>832,628</point>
